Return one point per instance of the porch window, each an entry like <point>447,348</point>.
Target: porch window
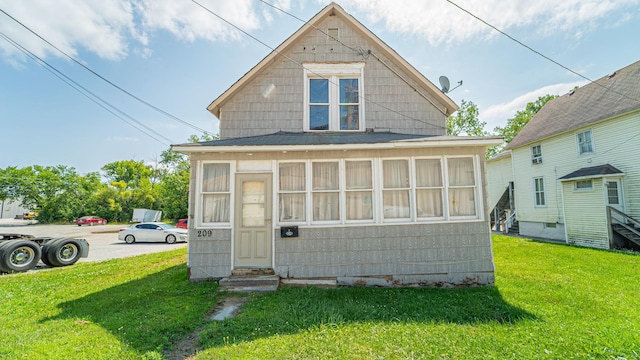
<point>395,189</point>
<point>584,185</point>
<point>333,94</point>
<point>538,188</point>
<point>429,188</point>
<point>585,142</point>
<point>292,185</point>
<point>326,191</point>
<point>216,193</point>
<point>358,190</point>
<point>462,186</point>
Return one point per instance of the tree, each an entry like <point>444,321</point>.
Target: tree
<point>515,124</point>
<point>465,121</point>
<point>128,171</point>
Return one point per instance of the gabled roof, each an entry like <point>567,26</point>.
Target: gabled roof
<point>615,94</point>
<point>333,9</point>
<point>593,172</point>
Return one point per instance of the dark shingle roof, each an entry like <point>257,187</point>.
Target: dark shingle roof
<point>305,138</point>
<point>594,171</point>
<point>606,97</point>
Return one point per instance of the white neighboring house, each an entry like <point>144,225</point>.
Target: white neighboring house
<point>575,170</point>
<point>333,163</point>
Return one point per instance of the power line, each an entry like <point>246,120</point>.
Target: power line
<point>302,66</point>
<point>76,86</point>
<point>539,53</point>
<point>108,81</point>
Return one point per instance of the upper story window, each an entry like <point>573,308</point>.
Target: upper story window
<point>585,142</point>
<point>536,154</point>
<point>333,97</point>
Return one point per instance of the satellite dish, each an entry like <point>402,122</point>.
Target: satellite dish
<point>444,83</point>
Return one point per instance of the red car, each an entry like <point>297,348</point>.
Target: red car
<point>91,220</point>
<point>182,224</point>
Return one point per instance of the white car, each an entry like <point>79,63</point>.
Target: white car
<point>152,231</point>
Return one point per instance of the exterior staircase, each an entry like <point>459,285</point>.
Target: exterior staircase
<point>625,226</point>
<point>250,280</point>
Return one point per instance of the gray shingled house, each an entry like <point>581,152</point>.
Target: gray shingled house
<point>574,168</point>
<point>333,163</point>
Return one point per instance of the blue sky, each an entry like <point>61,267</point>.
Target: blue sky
<point>178,57</point>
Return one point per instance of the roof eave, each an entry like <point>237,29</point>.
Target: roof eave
<point>402,144</point>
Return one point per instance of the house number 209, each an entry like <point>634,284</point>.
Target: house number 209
<point>205,233</point>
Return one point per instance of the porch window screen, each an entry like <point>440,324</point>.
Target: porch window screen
<point>216,193</point>
<point>292,185</point>
<point>359,190</point>
<point>326,191</point>
<point>462,187</point>
<point>396,186</point>
<point>429,187</point>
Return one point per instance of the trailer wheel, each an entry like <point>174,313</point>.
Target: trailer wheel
<point>170,239</point>
<point>18,256</point>
<point>130,239</point>
<point>63,252</point>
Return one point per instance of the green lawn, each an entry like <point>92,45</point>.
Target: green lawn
<point>550,301</point>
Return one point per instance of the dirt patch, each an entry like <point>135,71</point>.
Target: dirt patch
<point>189,346</point>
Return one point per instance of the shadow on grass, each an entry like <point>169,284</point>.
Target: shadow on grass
<point>148,314</point>
<point>294,309</point>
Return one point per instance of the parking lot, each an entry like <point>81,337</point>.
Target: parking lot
<point>103,239</point>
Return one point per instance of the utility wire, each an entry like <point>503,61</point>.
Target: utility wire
<point>108,81</point>
<point>365,54</point>
<point>301,65</point>
<point>539,53</point>
<point>85,91</point>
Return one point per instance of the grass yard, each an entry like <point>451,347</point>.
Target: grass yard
<point>550,301</point>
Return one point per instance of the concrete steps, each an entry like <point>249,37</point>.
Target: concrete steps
<point>249,283</point>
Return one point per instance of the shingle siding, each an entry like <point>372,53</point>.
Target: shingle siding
<point>391,103</point>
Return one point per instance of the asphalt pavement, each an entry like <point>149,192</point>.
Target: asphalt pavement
<point>103,239</point>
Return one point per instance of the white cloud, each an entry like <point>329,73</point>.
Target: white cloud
<point>442,22</point>
<point>497,115</point>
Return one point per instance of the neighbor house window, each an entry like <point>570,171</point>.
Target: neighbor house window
<point>536,154</point>
<point>462,186</point>
<point>292,186</point>
<point>584,185</point>
<point>538,185</point>
<point>585,142</point>
<point>358,190</point>
<point>333,97</point>
<point>216,195</point>
<point>326,191</point>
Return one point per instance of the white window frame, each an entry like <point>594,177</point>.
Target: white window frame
<point>536,156</point>
<point>586,188</point>
<point>536,191</point>
<point>443,190</point>
<point>333,73</point>
<point>476,193</point>
<point>305,192</point>
<point>344,191</point>
<point>591,142</point>
<point>201,194</point>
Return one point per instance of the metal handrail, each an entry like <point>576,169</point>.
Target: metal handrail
<point>508,223</point>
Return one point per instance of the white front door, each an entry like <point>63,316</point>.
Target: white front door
<point>253,231</point>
